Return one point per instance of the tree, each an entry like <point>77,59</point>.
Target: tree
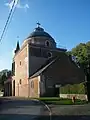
<point>82,52</point>
<point>4,75</point>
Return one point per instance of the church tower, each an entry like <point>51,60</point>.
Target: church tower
<point>37,50</point>
<point>42,47</point>
<point>17,47</point>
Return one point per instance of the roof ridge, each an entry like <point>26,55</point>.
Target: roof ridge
<point>43,68</point>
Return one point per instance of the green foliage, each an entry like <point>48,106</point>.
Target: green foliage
<point>82,51</point>
<point>4,74</point>
<point>69,52</point>
<point>73,89</point>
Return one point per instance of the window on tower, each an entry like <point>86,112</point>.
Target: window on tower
<point>47,43</point>
<point>20,62</point>
<point>49,54</point>
<point>20,81</point>
<point>13,68</point>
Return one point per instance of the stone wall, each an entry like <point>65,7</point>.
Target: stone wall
<point>34,87</point>
<point>77,96</point>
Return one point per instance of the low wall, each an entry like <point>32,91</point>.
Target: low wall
<point>77,96</point>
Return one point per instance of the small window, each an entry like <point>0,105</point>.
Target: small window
<point>20,62</point>
<point>20,81</point>
<point>47,43</point>
<point>32,84</point>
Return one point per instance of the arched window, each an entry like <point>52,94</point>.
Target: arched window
<point>20,62</point>
<point>47,43</point>
<point>32,84</point>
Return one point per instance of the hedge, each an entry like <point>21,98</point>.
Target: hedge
<point>73,89</point>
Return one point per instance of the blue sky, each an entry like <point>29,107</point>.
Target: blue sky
<point>68,22</point>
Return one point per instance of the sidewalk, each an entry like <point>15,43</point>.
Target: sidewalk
<point>70,109</point>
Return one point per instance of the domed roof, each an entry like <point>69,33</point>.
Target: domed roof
<point>39,32</point>
<point>41,38</point>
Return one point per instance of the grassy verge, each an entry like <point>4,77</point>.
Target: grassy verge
<point>59,101</point>
<point>51,100</point>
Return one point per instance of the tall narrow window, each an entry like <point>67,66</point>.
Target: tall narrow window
<point>13,68</point>
<point>20,81</point>
<point>32,84</point>
<point>20,62</point>
<point>47,43</point>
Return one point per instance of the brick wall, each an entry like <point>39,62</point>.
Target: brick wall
<point>21,72</point>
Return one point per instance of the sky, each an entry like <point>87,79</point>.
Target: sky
<point>67,21</point>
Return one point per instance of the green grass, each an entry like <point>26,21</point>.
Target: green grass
<point>60,101</point>
<point>54,100</point>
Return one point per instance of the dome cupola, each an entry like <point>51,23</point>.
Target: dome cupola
<point>41,38</point>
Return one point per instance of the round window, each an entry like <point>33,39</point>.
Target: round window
<point>49,54</point>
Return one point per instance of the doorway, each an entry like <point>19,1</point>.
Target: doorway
<point>14,88</point>
<point>56,92</point>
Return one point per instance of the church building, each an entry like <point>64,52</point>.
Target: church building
<point>39,68</point>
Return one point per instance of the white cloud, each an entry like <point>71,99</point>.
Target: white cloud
<point>19,5</point>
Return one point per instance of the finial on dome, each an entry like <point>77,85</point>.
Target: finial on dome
<point>38,24</point>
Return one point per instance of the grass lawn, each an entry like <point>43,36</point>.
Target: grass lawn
<point>52,100</point>
<point>60,101</point>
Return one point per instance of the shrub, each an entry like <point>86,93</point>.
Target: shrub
<point>73,89</point>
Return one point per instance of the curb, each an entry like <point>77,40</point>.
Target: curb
<point>50,112</point>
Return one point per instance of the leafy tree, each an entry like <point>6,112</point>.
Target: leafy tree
<point>82,52</point>
<point>4,75</point>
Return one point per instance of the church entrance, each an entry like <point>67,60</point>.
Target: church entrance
<point>14,88</point>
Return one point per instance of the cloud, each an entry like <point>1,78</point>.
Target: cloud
<point>19,5</point>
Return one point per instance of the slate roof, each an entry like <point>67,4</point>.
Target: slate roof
<point>39,32</point>
<point>44,67</point>
<point>47,64</point>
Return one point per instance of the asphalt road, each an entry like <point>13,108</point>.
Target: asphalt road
<point>22,110</point>
<point>14,109</point>
<point>70,112</point>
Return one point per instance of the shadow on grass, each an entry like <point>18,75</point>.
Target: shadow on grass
<point>39,117</point>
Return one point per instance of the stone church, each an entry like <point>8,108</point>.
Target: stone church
<point>39,68</point>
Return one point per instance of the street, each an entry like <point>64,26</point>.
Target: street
<point>15,109</point>
<point>26,109</point>
<point>70,112</point>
